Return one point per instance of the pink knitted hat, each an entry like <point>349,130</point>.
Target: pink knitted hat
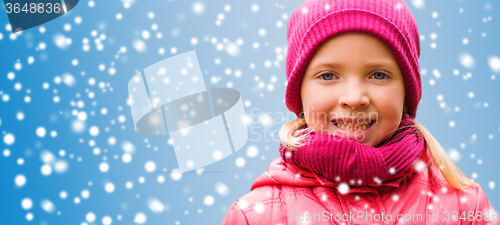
<point>315,21</point>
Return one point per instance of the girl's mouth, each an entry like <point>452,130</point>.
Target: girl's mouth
<point>345,127</point>
<point>352,126</point>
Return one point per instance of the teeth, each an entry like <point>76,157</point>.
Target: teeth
<point>352,126</point>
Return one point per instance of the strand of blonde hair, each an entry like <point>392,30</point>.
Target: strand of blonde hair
<point>451,172</point>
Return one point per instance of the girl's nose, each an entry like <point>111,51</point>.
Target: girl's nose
<point>353,95</point>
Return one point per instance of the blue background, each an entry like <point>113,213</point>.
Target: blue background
<point>473,141</point>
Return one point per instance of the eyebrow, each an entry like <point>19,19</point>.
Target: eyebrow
<point>371,64</point>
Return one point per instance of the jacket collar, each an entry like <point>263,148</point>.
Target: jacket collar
<point>280,172</point>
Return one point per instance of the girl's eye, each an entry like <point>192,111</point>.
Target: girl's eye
<point>380,75</point>
<point>327,76</point>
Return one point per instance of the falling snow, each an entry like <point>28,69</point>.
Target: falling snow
<point>65,116</point>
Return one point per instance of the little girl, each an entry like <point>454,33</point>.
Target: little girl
<point>355,154</point>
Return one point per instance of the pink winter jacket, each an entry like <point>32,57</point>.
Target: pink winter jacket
<point>286,194</point>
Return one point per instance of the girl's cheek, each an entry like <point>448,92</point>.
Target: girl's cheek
<point>316,117</point>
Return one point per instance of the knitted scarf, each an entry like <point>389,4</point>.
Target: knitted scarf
<point>347,161</point>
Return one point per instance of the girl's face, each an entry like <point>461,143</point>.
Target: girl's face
<point>353,78</point>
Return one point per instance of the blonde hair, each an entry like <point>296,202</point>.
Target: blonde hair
<point>291,139</point>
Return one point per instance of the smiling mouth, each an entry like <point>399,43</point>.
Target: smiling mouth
<point>350,126</point>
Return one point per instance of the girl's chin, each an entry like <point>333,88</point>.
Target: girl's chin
<point>332,131</point>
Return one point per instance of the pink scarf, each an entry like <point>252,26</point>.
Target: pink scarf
<point>348,161</point>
